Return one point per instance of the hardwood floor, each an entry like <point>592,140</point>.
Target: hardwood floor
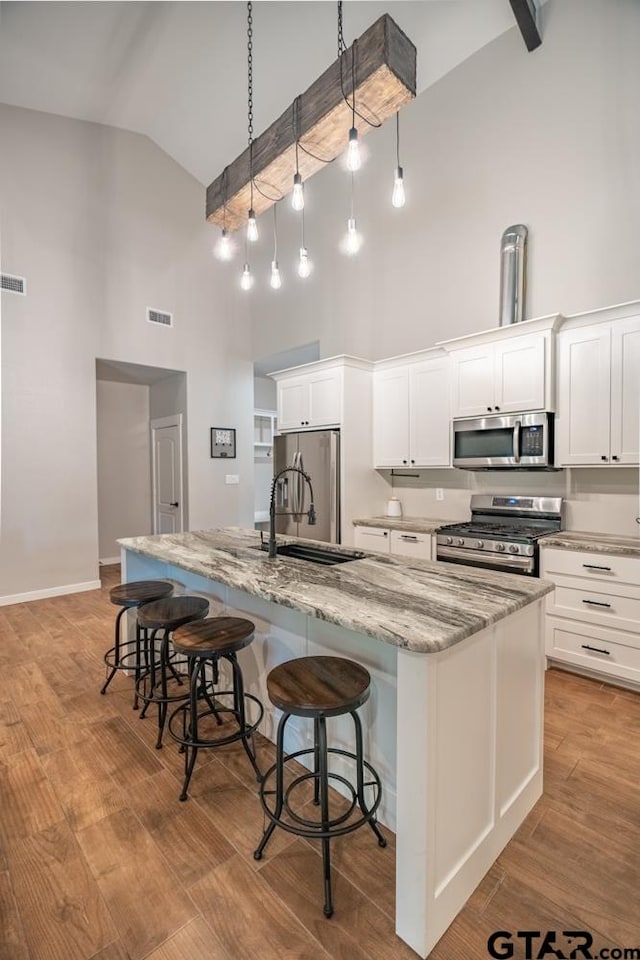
<point>98,859</point>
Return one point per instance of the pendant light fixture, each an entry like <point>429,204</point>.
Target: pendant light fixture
<point>297,197</point>
<point>353,148</point>
<point>352,240</point>
<point>252,226</point>
<point>276,279</point>
<point>304,263</point>
<point>398,196</point>
<point>223,249</point>
<point>246,280</point>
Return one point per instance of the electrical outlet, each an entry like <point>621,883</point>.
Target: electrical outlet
<point>231,478</point>
<point>439,493</point>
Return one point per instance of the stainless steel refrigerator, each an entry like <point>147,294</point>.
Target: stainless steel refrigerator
<point>317,452</point>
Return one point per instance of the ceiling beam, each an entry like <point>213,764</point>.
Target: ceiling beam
<point>385,79</point>
<point>526,14</point>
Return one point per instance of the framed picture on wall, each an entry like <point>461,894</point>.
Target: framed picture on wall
<point>223,442</point>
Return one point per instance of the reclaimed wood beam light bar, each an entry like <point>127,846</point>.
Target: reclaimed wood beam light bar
<point>385,79</point>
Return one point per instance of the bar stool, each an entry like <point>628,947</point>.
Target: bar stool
<point>319,687</point>
<point>128,596</point>
<point>204,644</point>
<point>163,616</point>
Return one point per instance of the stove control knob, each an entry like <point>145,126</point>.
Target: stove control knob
<point>449,539</point>
<point>500,547</point>
<point>460,542</point>
<point>514,548</point>
<point>480,544</point>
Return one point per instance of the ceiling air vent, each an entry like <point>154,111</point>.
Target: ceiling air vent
<point>13,284</point>
<point>159,316</point>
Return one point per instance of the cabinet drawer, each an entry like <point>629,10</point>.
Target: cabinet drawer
<point>375,539</point>
<point>593,566</point>
<point>416,545</point>
<point>596,648</point>
<point>596,607</point>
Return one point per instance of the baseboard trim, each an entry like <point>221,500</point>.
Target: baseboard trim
<point>50,592</point>
<point>107,561</point>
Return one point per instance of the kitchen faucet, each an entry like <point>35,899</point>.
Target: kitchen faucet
<point>311,513</point>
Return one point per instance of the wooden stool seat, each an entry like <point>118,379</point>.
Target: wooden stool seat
<point>137,592</point>
<point>172,612</point>
<point>318,686</point>
<point>213,637</point>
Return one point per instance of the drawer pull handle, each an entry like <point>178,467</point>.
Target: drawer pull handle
<point>594,566</point>
<point>596,603</point>
<point>585,646</point>
<point>407,536</point>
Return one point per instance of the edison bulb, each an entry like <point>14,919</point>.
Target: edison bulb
<point>224,247</point>
<point>297,197</point>
<point>397,197</point>
<point>304,264</point>
<point>252,227</point>
<point>353,151</point>
<point>276,280</point>
<point>353,240</point>
<point>246,281</point>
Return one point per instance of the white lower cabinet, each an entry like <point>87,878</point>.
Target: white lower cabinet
<point>399,543</point>
<point>374,539</point>
<point>593,615</point>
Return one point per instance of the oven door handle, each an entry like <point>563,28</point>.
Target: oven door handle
<point>476,558</point>
<point>516,440</point>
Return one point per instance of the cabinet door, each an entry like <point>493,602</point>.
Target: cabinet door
<point>293,403</point>
<point>625,391</point>
<point>391,417</point>
<point>473,381</point>
<point>584,401</point>
<point>325,398</point>
<point>373,539</point>
<point>430,413</point>
<point>520,374</point>
<point>416,545</point>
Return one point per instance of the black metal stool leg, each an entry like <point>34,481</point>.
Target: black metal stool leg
<point>277,812</point>
<point>323,777</point>
<point>162,702</point>
<point>238,698</point>
<point>191,751</point>
<point>360,778</point>
<point>316,763</point>
<point>116,650</point>
<point>137,666</point>
<point>149,677</point>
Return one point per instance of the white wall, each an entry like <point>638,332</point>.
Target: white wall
<point>103,224</point>
<point>124,464</point>
<point>550,139</point>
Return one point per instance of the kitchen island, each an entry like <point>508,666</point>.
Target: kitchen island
<point>454,723</point>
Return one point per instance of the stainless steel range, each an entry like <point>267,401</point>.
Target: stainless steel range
<point>502,533</point>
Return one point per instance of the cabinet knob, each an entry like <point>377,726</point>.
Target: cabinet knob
<point>488,409</point>
<point>413,461</point>
<point>603,457</point>
<point>615,458</point>
<point>404,461</point>
<point>496,408</point>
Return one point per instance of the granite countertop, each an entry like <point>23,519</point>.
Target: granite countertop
<point>593,543</point>
<point>410,524</point>
<point>420,605</point>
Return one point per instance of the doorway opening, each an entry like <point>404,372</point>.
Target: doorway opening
<point>140,459</point>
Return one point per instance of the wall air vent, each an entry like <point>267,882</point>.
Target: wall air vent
<point>159,316</point>
<point>13,284</point>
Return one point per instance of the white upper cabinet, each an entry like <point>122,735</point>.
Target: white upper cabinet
<point>310,400</point>
<point>411,417</point>
<point>599,392</point>
<point>506,370</point>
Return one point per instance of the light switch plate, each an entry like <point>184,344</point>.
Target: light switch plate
<point>231,478</point>
<point>439,493</point>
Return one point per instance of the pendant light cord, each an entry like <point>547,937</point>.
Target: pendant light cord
<point>398,138</point>
<point>250,91</point>
<point>354,56</point>
<point>275,233</point>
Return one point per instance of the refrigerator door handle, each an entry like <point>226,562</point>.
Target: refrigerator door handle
<point>282,493</point>
<point>302,487</point>
<point>333,491</point>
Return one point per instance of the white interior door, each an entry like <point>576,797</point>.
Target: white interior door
<point>166,445</point>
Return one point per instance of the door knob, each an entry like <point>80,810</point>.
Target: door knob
<point>176,504</point>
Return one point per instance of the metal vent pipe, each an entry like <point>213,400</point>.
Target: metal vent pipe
<point>513,274</point>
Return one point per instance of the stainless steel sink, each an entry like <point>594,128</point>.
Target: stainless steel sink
<point>314,554</point>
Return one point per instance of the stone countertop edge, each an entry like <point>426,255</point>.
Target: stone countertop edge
<point>585,542</point>
<point>410,524</point>
<point>419,605</point>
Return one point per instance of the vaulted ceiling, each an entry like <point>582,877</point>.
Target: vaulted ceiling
<point>176,71</point>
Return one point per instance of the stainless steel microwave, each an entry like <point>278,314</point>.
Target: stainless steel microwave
<point>522,441</point>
